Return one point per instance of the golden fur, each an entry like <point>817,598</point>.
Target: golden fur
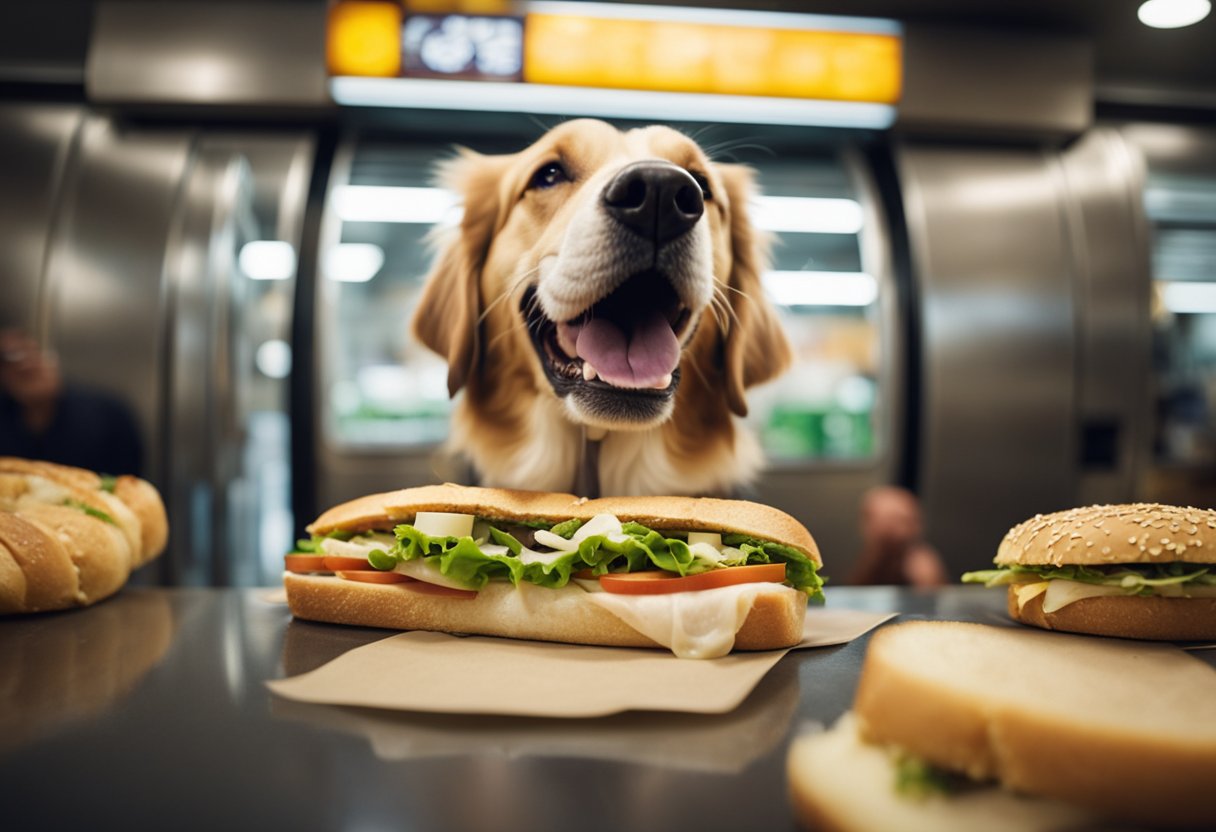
<point>515,237</point>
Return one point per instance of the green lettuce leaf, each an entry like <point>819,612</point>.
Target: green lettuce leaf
<point>312,546</point>
<point>89,510</point>
<point>1132,577</point>
<point>462,560</point>
<point>918,779</point>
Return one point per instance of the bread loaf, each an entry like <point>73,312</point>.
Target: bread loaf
<point>69,537</point>
<point>1083,720</point>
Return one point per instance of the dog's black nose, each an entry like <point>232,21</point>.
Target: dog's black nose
<point>656,199</point>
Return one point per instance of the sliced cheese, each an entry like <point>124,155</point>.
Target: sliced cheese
<point>1061,593</point>
<point>1025,592</point>
<point>444,524</point>
<point>526,555</point>
<point>712,538</point>
<point>420,570</point>
<point>706,552</point>
<point>693,625</point>
<point>357,547</point>
<point>606,524</point>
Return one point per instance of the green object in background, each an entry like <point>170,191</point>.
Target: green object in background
<point>801,432</point>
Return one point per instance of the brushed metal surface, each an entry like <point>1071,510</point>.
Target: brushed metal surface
<point>1103,181</point>
<point>183,728</point>
<point>961,80</point>
<point>992,257</point>
<point>36,141</point>
<point>249,53</point>
<point>104,302</point>
<point>204,370</point>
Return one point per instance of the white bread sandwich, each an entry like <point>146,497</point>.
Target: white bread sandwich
<point>696,575</point>
<point>964,726</point>
<point>71,537</point>
<point>1145,571</point>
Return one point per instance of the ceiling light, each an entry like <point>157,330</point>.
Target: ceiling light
<point>273,358</point>
<point>1188,297</point>
<point>1173,14</point>
<point>812,215</point>
<point>549,99</point>
<point>821,288</point>
<point>385,203</point>
<point>353,262</point>
<point>267,260</point>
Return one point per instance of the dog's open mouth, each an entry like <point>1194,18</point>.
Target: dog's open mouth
<point>628,341</point>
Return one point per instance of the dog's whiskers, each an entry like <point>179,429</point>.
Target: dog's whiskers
<point>509,292</point>
<point>723,312</point>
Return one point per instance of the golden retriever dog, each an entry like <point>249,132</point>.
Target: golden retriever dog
<point>603,292</point>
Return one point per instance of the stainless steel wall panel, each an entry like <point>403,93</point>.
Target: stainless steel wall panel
<point>206,367</point>
<point>36,141</point>
<point>992,258</point>
<point>262,54</point>
<point>1104,183</point>
<point>104,304</point>
<point>970,81</point>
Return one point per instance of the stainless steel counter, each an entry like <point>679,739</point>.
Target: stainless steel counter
<point>149,712</point>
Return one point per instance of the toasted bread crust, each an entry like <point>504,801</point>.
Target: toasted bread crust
<point>1111,534</point>
<point>382,511</point>
<point>526,612</point>
<point>66,541</point>
<point>49,580</point>
<point>1140,617</point>
<point>1051,715</point>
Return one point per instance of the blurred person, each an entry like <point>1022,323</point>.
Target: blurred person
<point>41,417</point>
<point>894,551</point>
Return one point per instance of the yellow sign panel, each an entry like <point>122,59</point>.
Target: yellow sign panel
<point>364,38</point>
<point>676,56</point>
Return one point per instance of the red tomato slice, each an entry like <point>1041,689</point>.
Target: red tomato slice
<point>654,582</point>
<point>337,563</point>
<point>305,563</point>
<point>375,577</point>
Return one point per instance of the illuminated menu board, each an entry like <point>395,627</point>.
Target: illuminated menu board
<point>625,47</point>
<point>463,46</point>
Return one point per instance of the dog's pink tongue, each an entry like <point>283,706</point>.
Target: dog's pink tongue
<point>642,358</point>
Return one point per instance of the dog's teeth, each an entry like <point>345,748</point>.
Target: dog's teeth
<point>589,372</point>
<point>567,339</point>
<point>664,382</point>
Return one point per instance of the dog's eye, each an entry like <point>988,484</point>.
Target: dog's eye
<point>706,193</point>
<point>548,175</point>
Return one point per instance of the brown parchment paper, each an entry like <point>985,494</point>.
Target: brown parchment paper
<point>436,672</point>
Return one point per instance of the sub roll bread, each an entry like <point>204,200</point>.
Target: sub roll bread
<point>71,537</point>
<point>696,575</point>
<point>1143,570</point>
<point>954,721</point>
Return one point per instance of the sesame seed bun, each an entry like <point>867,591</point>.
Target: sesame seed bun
<point>1110,534</point>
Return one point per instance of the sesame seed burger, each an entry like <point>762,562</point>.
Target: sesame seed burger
<point>1142,570</point>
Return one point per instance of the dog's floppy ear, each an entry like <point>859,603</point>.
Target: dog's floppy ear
<point>447,316</point>
<point>755,347</point>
